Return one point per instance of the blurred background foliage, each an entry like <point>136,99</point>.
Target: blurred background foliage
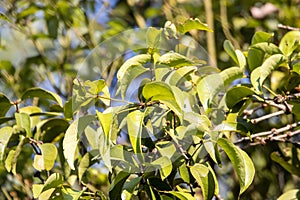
<point>42,43</point>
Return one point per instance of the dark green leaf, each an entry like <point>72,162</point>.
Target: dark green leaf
<point>5,104</point>
<point>116,186</point>
<point>261,36</point>
<point>237,94</point>
<point>287,166</point>
<point>41,93</point>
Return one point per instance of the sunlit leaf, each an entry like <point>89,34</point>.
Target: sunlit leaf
<point>266,47</point>
<point>260,36</point>
<point>192,24</point>
<point>5,134</point>
<point>164,165</point>
<point>153,37</point>
<point>46,160</point>
<point>205,179</point>
<point>255,58</point>
<point>181,195</point>
<point>241,59</point>
<point>241,162</point>
<point>230,74</point>
<point>23,120</point>
<point>72,136</point>
<point>230,50</point>
<point>290,195</point>
<point>53,181</point>
<point>162,92</point>
<point>289,42</point>
<point>208,89</point>
<point>176,60</point>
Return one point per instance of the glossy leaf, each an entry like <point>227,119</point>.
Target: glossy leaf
<point>164,165</point>
<point>230,50</point>
<point>135,126</point>
<point>261,36</point>
<point>5,104</point>
<point>49,129</point>
<point>290,195</point>
<point>43,94</point>
<point>237,94</point>
<point>162,92</point>
<point>117,184</point>
<point>72,136</point>
<point>241,162</point>
<point>230,74</point>
<point>46,160</point>
<point>242,62</point>
<point>255,58</point>
<point>204,178</point>
<point>266,47</point>
<point>181,195</point>
<point>289,43</point>
<point>208,89</point>
<point>5,134</point>
<point>192,24</point>
<point>176,60</point>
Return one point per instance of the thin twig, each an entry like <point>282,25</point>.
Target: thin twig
<point>259,119</point>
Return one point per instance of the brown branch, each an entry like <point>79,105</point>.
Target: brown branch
<point>259,119</point>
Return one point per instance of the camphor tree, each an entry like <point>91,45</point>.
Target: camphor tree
<point>147,107</point>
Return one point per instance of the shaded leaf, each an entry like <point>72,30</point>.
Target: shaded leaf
<point>49,129</point>
<point>53,181</point>
<point>5,104</point>
<point>43,94</point>
<point>287,166</point>
<point>164,165</point>
<point>117,185</point>
<point>237,94</point>
<point>230,74</point>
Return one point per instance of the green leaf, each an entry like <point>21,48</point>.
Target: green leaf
<point>70,194</point>
<point>33,111</point>
<point>255,58</point>
<point>105,120</point>
<point>72,136</point>
<point>230,74</point>
<point>205,179</point>
<point>230,50</point>
<point>192,24</point>
<point>290,195</point>
<point>98,87</point>
<point>153,37</point>
<point>162,92</point>
<point>266,47</point>
<point>37,190</point>
<point>135,126</point>
<point>208,89</point>
<point>53,181</point>
<point>9,165</point>
<point>117,185</point>
<point>237,94</point>
<point>287,166</point>
<point>181,195</point>
<point>242,62</point>
<point>184,173</point>
<point>241,162</point>
<point>179,75</point>
<point>23,120</point>
<point>43,94</point>
<point>5,134</point>
<point>132,184</point>
<point>49,129</point>
<point>5,104</point>
<point>261,36</point>
<point>289,43</point>
<point>164,165</point>
<point>176,60</point>
<point>46,160</point>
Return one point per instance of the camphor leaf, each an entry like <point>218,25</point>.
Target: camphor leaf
<point>46,160</point>
<point>192,24</point>
<point>5,104</point>
<point>135,126</point>
<point>164,165</point>
<point>237,94</point>
<point>208,89</point>
<point>241,162</point>
<point>290,195</point>
<point>259,75</point>
<point>126,75</point>
<point>289,43</point>
<point>72,136</point>
<point>261,36</point>
<point>23,120</point>
<point>205,179</point>
<point>228,47</point>
<point>5,134</point>
<point>231,74</point>
<point>241,59</point>
<point>41,93</point>
<point>162,92</point>
<point>176,60</point>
